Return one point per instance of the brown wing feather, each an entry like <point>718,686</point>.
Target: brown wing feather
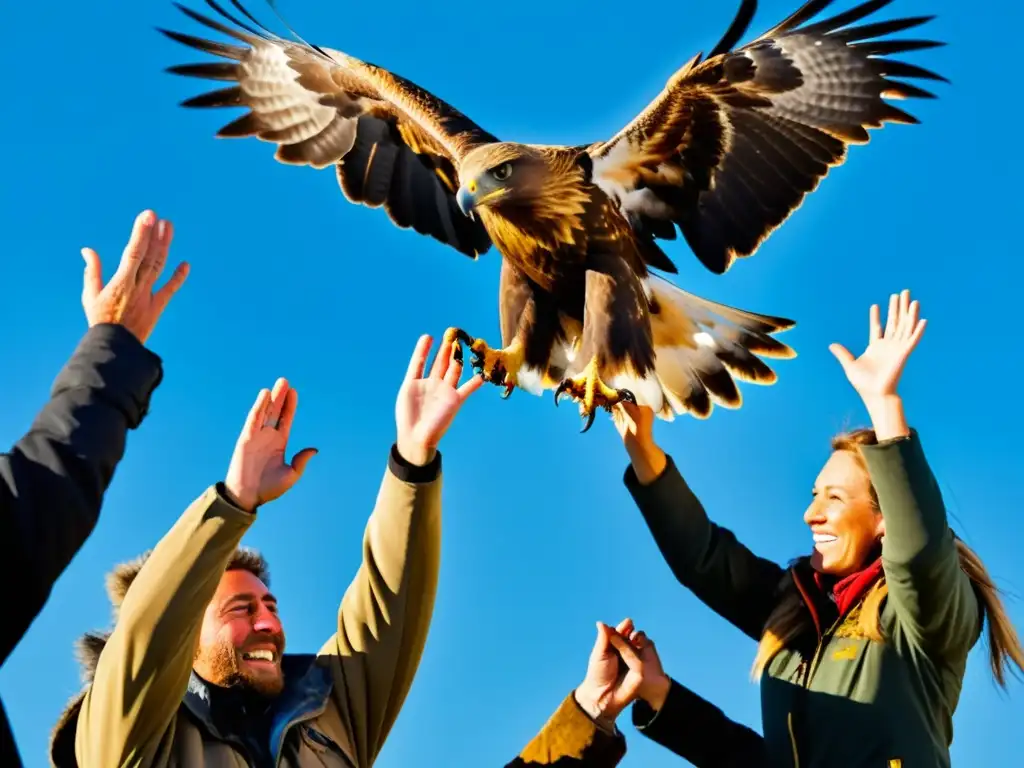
<point>393,144</point>
<point>733,144</point>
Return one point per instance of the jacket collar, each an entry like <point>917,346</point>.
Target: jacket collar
<point>308,685</point>
<point>258,726</point>
<point>828,599</point>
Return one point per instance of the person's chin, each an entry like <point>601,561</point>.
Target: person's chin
<point>265,677</point>
<point>818,561</point>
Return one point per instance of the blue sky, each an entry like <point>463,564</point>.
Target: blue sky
<point>540,536</point>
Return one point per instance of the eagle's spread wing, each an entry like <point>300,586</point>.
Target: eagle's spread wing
<point>734,143</point>
<point>393,143</point>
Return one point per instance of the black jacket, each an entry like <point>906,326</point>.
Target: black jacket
<point>53,480</point>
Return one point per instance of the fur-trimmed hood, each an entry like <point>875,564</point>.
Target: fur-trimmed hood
<point>91,644</point>
<point>87,650</point>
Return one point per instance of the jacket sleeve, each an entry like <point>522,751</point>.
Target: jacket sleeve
<point>53,480</point>
<point>706,558</point>
<point>142,674</point>
<point>930,595</point>
<point>385,613</point>
<point>571,739</point>
<point>698,731</point>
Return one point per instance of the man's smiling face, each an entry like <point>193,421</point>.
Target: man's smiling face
<point>241,641</point>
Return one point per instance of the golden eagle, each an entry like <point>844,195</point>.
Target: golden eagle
<point>725,153</point>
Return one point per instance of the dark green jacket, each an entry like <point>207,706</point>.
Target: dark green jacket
<point>836,698</point>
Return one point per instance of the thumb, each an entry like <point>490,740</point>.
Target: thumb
<point>93,279</point>
<point>601,644</point>
<point>302,459</point>
<point>842,354</point>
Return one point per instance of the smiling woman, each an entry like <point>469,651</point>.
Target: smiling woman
<point>870,632</point>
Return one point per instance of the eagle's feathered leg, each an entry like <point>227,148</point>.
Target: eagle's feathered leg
<point>614,361</point>
<point>531,328</point>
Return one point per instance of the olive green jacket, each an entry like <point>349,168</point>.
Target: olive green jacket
<point>835,698</point>
<point>145,707</point>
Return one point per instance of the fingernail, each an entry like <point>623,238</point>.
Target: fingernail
<point>161,229</point>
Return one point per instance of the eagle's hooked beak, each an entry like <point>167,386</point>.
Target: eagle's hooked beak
<point>466,199</point>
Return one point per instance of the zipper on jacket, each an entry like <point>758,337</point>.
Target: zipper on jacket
<point>805,683</point>
<point>792,740</point>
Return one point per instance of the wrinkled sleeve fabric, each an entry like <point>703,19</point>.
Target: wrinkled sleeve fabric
<point>698,731</point>
<point>385,613</point>
<point>53,480</point>
<point>706,558</point>
<point>571,739</point>
<point>932,598</point>
<point>142,674</point>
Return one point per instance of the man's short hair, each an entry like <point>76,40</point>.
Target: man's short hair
<point>123,575</point>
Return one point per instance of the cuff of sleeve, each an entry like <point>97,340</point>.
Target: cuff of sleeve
<point>413,473</point>
<point>672,713</point>
<point>216,503</point>
<point>901,444</point>
<point>225,496</point>
<point>113,362</point>
<point>571,734</point>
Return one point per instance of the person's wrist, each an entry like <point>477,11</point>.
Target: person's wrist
<point>241,498</point>
<point>590,701</point>
<point>414,452</point>
<point>880,400</point>
<point>656,692</point>
<point>647,458</point>
<point>887,416</point>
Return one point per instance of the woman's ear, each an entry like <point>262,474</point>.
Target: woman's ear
<point>880,528</point>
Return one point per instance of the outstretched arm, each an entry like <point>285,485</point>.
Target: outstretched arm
<point>678,719</point>
<point>572,739</point>
<point>933,599</point>
<point>55,477</point>
<point>582,731</point>
<point>385,613</point>
<point>53,481</point>
<point>128,713</point>
<point>706,558</point>
<point>143,672</point>
<point>698,731</point>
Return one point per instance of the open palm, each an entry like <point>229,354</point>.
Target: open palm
<point>426,405</point>
<point>877,371</point>
<point>259,472</point>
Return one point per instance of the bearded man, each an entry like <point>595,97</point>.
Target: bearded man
<point>195,672</point>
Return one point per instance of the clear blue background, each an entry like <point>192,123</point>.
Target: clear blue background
<point>540,536</point>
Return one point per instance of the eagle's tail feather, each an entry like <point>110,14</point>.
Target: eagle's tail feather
<point>702,349</point>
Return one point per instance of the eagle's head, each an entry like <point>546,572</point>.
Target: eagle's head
<point>501,175</point>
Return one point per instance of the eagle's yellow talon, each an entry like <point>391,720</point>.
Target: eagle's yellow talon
<point>498,366</point>
<point>592,393</point>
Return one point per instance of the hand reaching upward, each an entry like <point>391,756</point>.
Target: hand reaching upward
<point>426,405</point>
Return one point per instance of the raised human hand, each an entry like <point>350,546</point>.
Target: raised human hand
<point>426,405</point>
<point>654,683</point>
<point>128,299</point>
<point>635,425</point>
<point>877,371</point>
<point>614,675</point>
<point>258,472</point>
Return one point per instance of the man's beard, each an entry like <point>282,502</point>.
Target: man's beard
<point>222,661</point>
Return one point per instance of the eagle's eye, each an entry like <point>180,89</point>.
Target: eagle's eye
<point>502,172</point>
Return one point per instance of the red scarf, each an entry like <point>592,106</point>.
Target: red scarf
<point>850,589</point>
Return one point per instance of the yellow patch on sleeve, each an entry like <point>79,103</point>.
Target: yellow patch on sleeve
<point>846,653</point>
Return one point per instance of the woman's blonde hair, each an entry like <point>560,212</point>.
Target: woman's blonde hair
<point>790,619</point>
